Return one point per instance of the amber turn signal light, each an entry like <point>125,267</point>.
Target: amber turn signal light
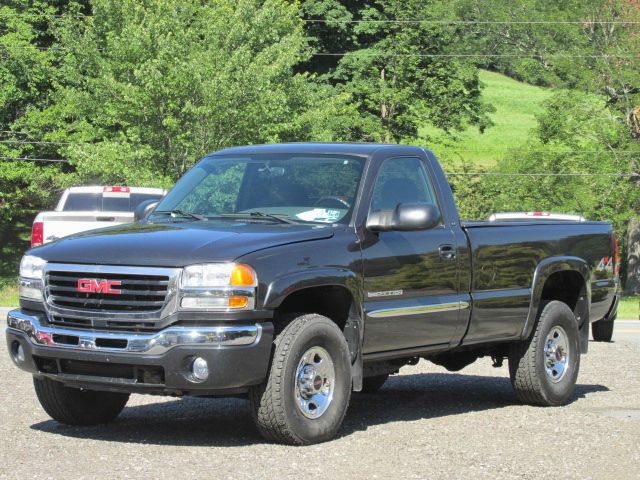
<point>243,276</point>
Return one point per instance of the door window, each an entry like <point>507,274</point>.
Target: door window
<point>401,180</point>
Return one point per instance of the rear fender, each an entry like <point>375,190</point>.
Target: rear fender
<point>544,270</point>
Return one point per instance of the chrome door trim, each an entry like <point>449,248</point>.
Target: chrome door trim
<point>419,309</point>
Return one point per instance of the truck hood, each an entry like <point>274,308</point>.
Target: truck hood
<point>176,244</point>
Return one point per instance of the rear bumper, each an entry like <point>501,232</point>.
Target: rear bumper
<point>159,362</point>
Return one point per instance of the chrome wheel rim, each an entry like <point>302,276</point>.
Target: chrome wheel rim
<point>314,382</point>
<point>556,354</point>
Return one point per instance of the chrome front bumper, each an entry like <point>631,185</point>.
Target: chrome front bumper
<point>156,343</point>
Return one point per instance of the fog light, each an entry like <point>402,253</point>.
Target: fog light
<point>200,369</point>
<point>18,352</point>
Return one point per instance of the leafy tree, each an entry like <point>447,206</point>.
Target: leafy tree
<point>576,134</point>
<point>588,45</point>
<point>147,89</point>
<point>28,71</point>
<point>389,69</point>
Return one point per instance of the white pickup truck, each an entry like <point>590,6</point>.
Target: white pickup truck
<point>87,208</point>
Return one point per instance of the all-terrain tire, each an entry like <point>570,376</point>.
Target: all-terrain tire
<point>603,330</point>
<point>275,408</point>
<point>373,384</point>
<point>74,406</point>
<point>528,360</point>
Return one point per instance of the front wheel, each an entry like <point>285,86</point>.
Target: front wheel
<point>544,368</point>
<point>306,395</point>
<point>75,406</point>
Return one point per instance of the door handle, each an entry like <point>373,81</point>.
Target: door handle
<point>447,252</point>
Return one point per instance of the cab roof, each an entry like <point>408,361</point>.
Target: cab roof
<point>361,149</point>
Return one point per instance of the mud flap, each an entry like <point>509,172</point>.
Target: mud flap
<point>356,374</point>
<point>584,336</point>
<point>353,334</point>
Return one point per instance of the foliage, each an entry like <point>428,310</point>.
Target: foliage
<point>27,76</point>
<point>14,240</point>
<point>588,45</point>
<point>516,106</point>
<point>149,88</point>
<point>387,68</point>
<point>576,134</point>
<point>629,308</point>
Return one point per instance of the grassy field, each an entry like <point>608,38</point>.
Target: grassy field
<point>14,240</point>
<point>629,308</point>
<point>516,106</point>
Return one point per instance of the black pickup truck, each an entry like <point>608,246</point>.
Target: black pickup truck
<point>295,274</point>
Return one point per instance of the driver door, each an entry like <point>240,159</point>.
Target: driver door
<point>410,277</point>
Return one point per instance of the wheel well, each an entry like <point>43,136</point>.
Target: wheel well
<point>332,301</point>
<point>567,286</point>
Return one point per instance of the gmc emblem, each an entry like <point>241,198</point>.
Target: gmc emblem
<point>92,285</point>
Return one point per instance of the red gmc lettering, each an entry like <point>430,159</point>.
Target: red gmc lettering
<point>91,285</point>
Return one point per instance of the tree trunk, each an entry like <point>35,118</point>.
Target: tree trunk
<point>632,283</point>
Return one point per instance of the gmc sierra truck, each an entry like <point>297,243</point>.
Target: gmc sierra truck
<point>295,274</point>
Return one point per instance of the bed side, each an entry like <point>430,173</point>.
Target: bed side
<point>515,265</point>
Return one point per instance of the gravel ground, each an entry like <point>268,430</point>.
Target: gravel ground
<point>425,423</point>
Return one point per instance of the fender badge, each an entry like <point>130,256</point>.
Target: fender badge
<point>387,293</point>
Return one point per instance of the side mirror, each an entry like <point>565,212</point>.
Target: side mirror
<point>405,217</point>
<point>143,209</point>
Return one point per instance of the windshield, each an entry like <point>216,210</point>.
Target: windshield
<point>303,188</point>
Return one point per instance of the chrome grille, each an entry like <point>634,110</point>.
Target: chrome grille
<point>138,293</point>
<point>146,300</point>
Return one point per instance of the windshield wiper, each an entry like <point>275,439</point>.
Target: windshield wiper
<point>182,213</point>
<point>280,217</point>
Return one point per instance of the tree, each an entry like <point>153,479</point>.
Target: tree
<point>397,74</point>
<point>592,45</point>
<point>149,88</point>
<point>576,134</point>
<point>28,71</point>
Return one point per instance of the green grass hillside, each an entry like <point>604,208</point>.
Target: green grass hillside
<point>516,105</point>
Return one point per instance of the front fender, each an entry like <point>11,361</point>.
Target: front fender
<point>284,285</point>
<point>544,270</point>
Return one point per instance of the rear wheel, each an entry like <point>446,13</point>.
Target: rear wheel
<point>602,331</point>
<point>306,395</point>
<point>75,406</point>
<point>544,368</point>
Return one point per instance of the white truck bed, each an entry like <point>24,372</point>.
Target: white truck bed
<point>87,208</point>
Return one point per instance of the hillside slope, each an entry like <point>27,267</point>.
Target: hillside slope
<point>516,106</point>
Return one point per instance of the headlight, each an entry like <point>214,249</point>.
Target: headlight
<point>218,286</point>
<point>31,273</point>
<point>32,267</point>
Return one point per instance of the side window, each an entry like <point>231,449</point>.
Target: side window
<point>401,180</point>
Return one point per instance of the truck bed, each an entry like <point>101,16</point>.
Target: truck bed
<point>504,263</point>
